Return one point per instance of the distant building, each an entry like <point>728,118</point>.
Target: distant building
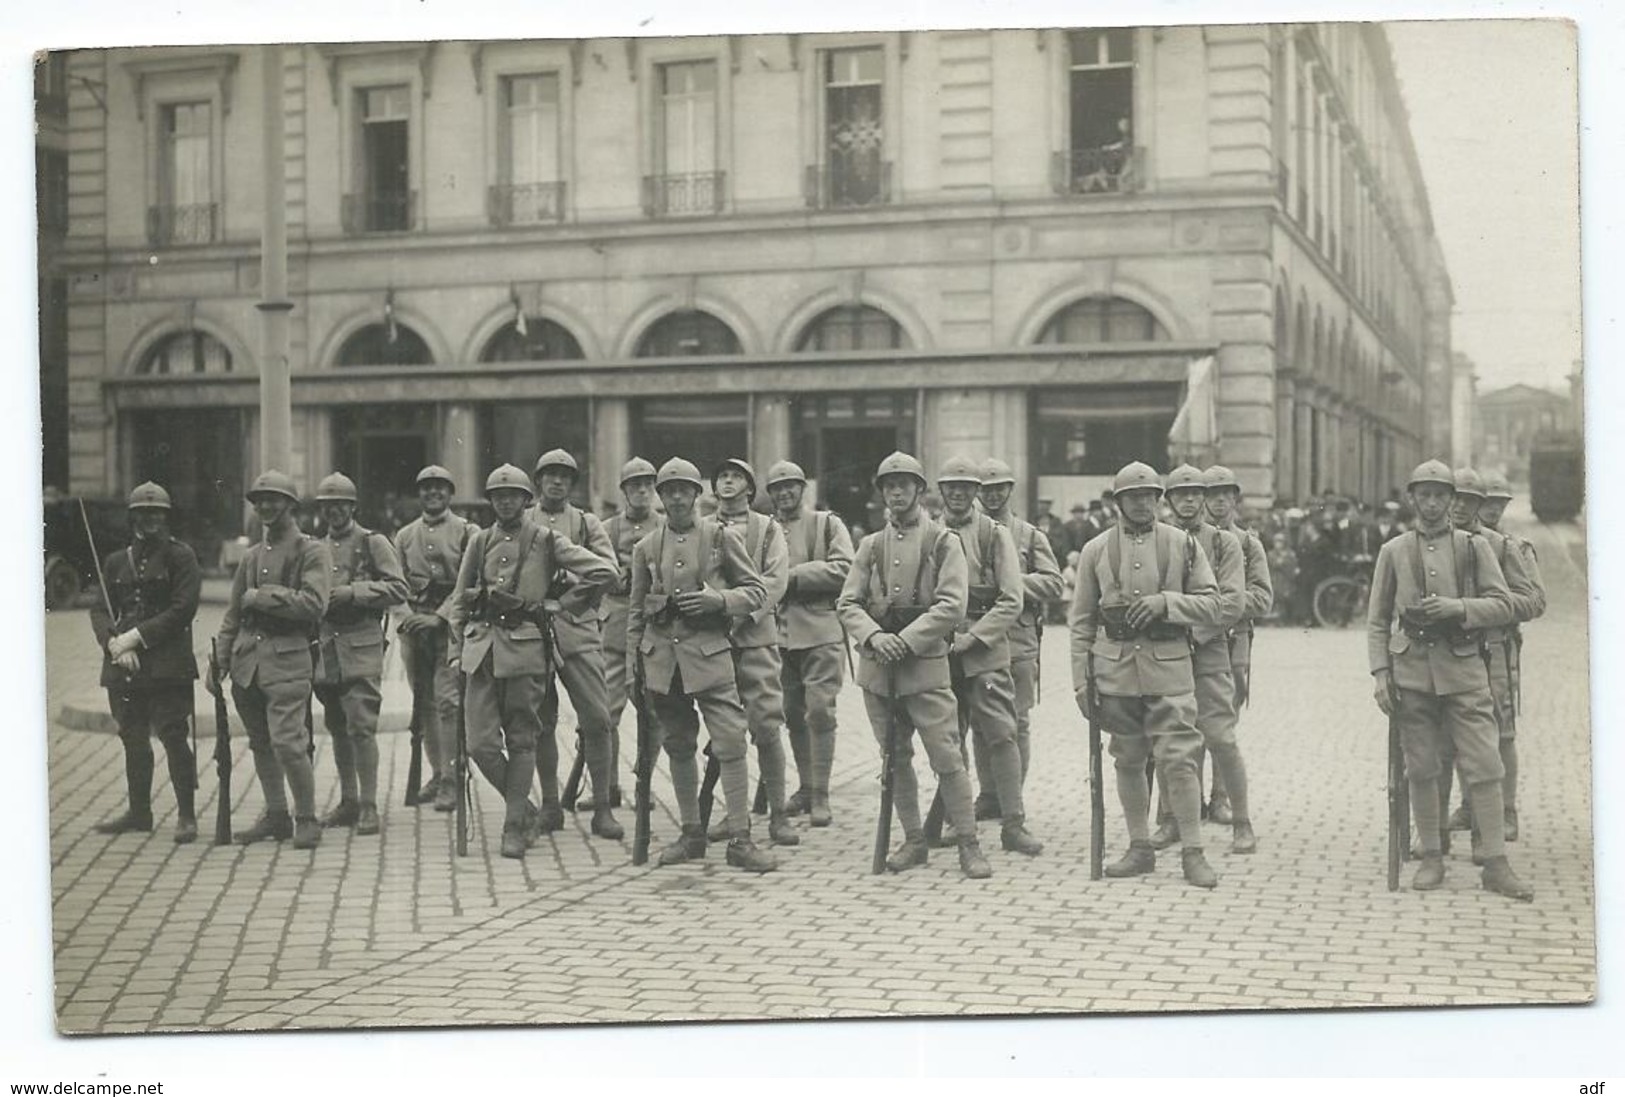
<point>1508,419</point>
<point>816,246</point>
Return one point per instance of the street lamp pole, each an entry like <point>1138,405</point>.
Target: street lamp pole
<point>276,392</point>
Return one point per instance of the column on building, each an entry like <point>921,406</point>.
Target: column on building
<point>611,448</point>
<point>457,449</point>
<point>769,431</point>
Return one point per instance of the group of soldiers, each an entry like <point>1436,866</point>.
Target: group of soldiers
<point>747,620</point>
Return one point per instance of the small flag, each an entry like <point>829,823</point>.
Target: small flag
<point>389,315</point>
<point>519,316</point>
<point>1194,437</point>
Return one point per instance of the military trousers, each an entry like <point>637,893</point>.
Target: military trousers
<point>987,709</point>
<point>1466,722</point>
<point>583,677</point>
<point>616,688</point>
<point>275,717</point>
<point>1162,729</point>
<point>811,681</point>
<point>428,647</point>
<point>678,714</point>
<point>350,714</point>
<point>934,715</point>
<point>142,710</point>
<point>502,724</point>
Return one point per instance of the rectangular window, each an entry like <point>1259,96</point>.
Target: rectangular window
<point>856,171</point>
<point>1100,100</point>
<point>386,192</point>
<point>531,189</point>
<point>685,179</point>
<point>185,210</point>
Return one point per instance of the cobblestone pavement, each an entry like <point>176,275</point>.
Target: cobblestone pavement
<point>396,930</point>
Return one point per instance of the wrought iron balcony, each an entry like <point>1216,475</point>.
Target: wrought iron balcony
<point>1112,170</point>
<point>848,184</point>
<point>390,211</point>
<point>684,195</point>
<point>171,225</point>
<point>525,203</point>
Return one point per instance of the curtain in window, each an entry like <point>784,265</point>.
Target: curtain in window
<point>188,160</point>
<point>688,118</point>
<point>533,129</point>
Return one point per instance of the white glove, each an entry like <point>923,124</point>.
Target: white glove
<point>129,661</point>
<point>123,642</point>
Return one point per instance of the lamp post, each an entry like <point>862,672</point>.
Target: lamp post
<point>276,392</point>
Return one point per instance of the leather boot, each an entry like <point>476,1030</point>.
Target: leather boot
<point>185,831</point>
<point>1478,848</point>
<point>911,854</point>
<point>946,839</point>
<point>514,843</point>
<point>1166,834</point>
<point>798,802</point>
<point>719,831</point>
<point>742,853</point>
<point>307,832</point>
<point>780,831</point>
<point>1511,816</point>
<point>549,818</point>
<point>1499,878</point>
<point>344,815</point>
<point>1462,817</point>
<point>1430,874</point>
<point>690,846</point>
<point>1242,839</point>
<point>1014,837</point>
<point>1218,810</point>
<point>430,790</point>
<point>366,820</point>
<point>987,807</point>
<point>971,861</point>
<point>445,793</point>
<point>128,823</point>
<point>1198,872</point>
<point>268,827</point>
<point>605,825</point>
<point>818,813</point>
<point>1140,859</point>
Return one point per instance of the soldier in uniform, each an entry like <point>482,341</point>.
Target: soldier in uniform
<point>811,642</point>
<point>1041,585</point>
<point>979,659</point>
<point>430,548</point>
<point>1432,590</point>
<point>278,598</point>
<point>1223,498</point>
<point>689,578</point>
<point>757,665</point>
<point>905,595</point>
<point>366,581</point>
<point>499,641</point>
<point>148,666</point>
<point>580,654</point>
<point>1140,588</point>
<point>1528,602</point>
<point>635,521</point>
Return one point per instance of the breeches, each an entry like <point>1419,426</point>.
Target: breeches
<point>811,680</point>
<point>933,714</point>
<point>1466,719</point>
<point>678,715</point>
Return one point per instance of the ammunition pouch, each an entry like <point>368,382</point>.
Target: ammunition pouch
<point>812,599</point>
<point>430,597</point>
<point>981,599</point>
<point>276,626</point>
<point>1114,619</point>
<point>504,610</point>
<point>351,614</point>
<point>1418,627</point>
<point>896,618</point>
<point>660,609</point>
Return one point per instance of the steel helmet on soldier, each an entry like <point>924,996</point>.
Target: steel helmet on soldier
<point>736,463</point>
<point>679,471</point>
<point>637,469</point>
<point>1220,477</point>
<point>273,482</point>
<point>1432,472</point>
<point>784,472</point>
<point>901,462</point>
<point>336,488</point>
<point>149,496</point>
<point>557,458</point>
<point>1468,482</point>
<point>1496,486</point>
<point>959,470</point>
<point>1185,476</point>
<point>1136,475</point>
<point>995,471</point>
<point>509,476</point>
<point>433,473</point>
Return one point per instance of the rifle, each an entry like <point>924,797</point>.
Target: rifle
<point>572,783</point>
<point>758,806</point>
<point>708,787</point>
<point>101,580</point>
<point>1399,804</point>
<point>222,750</point>
<point>934,816</point>
<point>887,777</point>
<point>423,667</point>
<point>1097,793</point>
<point>462,774</point>
<point>645,770</point>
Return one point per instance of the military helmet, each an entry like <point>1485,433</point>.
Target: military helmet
<point>1468,482</point>
<point>336,488</point>
<point>679,471</point>
<point>431,473</point>
<point>273,482</point>
<point>1185,476</point>
<point>995,471</point>
<point>901,462</point>
<point>509,476</point>
<point>1220,477</point>
<point>784,472</point>
<point>635,469</point>
<point>149,496</point>
<point>557,458</point>
<point>1432,472</point>
<point>1497,487</point>
<point>1135,475</point>
<point>736,463</point>
<point>959,470</point>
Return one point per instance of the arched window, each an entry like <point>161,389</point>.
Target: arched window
<point>186,352</point>
<point>1103,320</point>
<point>852,327</point>
<point>385,345</point>
<point>690,333</point>
<point>542,341</point>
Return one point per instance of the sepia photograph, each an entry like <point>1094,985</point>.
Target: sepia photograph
<point>743,524</point>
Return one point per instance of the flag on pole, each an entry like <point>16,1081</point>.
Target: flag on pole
<point>1194,437</point>
<point>519,324</point>
<point>389,315</point>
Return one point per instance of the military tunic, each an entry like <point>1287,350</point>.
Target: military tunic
<point>757,666</point>
<point>811,639</point>
<point>624,533</point>
<point>431,552</point>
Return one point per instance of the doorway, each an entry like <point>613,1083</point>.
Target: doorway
<point>382,449</point>
<point>846,463</point>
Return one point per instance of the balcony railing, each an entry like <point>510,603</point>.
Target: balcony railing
<point>848,185</point>
<point>1097,171</point>
<point>686,194</point>
<point>171,225</point>
<point>525,203</point>
<point>383,212</point>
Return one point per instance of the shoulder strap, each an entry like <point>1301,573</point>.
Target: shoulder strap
<point>818,536</point>
<point>1466,564</point>
<point>536,534</point>
<point>1190,561</point>
<point>290,566</point>
<point>987,539</point>
<point>1114,556</point>
<point>1416,563</point>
